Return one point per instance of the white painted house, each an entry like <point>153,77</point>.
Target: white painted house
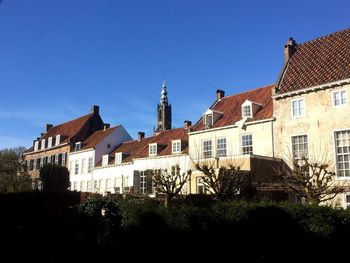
<point>89,152</point>
<point>125,169</point>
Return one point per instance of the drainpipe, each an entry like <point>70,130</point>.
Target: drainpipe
<point>273,141</point>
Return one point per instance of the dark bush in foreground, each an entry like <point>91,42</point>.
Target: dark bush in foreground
<point>54,178</point>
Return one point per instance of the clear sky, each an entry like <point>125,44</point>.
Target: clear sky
<point>57,58</point>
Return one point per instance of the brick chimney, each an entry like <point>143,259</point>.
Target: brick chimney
<point>141,136</point>
<point>95,109</point>
<point>187,124</point>
<point>289,48</point>
<point>48,126</point>
<point>220,94</point>
<point>106,126</point>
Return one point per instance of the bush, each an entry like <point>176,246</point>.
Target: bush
<point>54,178</point>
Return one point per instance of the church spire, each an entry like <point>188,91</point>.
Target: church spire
<point>163,111</point>
<point>164,94</point>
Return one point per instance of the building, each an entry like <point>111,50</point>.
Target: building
<point>56,142</point>
<point>87,153</point>
<point>163,111</point>
<point>235,130</point>
<point>130,166</point>
<point>311,104</point>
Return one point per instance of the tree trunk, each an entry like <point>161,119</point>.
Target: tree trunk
<point>167,201</point>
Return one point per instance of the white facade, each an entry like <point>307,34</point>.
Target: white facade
<point>81,163</point>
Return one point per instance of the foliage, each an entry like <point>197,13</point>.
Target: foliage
<point>13,173</point>
<point>54,178</point>
<point>225,182</point>
<point>94,205</point>
<point>310,180</point>
<point>170,184</point>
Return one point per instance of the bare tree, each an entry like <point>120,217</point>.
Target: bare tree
<point>224,182</point>
<point>312,181</point>
<point>170,184</point>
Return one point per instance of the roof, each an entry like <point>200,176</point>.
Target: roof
<point>67,129</point>
<point>139,149</point>
<point>231,107</point>
<point>96,137</point>
<point>322,60</point>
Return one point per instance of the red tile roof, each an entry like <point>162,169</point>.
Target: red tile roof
<point>317,62</point>
<point>68,129</point>
<point>230,106</point>
<point>96,137</point>
<point>139,149</point>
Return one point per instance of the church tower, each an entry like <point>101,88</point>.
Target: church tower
<point>164,111</point>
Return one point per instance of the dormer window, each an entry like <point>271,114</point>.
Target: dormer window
<point>58,139</point>
<point>42,144</point>
<point>176,146</point>
<point>210,117</point>
<point>49,142</point>
<point>208,120</point>
<point>118,158</point>
<point>152,149</point>
<point>105,160</point>
<point>78,146</point>
<point>247,111</point>
<point>36,146</point>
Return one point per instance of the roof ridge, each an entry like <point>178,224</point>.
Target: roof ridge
<point>71,120</point>
<point>325,36</point>
<point>250,90</point>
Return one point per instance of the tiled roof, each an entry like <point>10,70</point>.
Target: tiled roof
<point>317,62</point>
<point>139,149</point>
<point>96,137</point>
<point>67,129</point>
<point>230,106</point>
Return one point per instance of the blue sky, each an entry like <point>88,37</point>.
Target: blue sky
<point>57,58</point>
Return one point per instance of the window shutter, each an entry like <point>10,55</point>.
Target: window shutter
<point>137,182</point>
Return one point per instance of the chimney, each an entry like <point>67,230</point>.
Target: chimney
<point>48,126</point>
<point>289,48</point>
<point>220,94</point>
<point>106,126</point>
<point>95,109</point>
<point>187,124</point>
<point>141,135</point>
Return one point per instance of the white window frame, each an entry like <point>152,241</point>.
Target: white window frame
<point>199,183</point>
<point>291,143</point>
<point>118,158</point>
<point>90,165</point>
<point>210,152</point>
<point>49,142</point>
<point>58,140</point>
<point>221,149</point>
<point>345,203</point>
<point>176,146</point>
<point>206,116</point>
<point>36,146</point>
<point>143,182</point>
<point>291,107</point>
<point>152,149</point>
<point>246,146</point>
<point>83,166</point>
<point>105,160</point>
<point>77,146</point>
<point>76,167</point>
<point>336,155</point>
<point>244,111</point>
<point>42,144</point>
<point>333,98</point>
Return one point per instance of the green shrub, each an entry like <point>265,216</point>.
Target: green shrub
<point>54,178</point>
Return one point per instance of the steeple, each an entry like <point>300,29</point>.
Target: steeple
<point>164,94</point>
<point>163,111</point>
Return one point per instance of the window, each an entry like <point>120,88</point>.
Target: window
<point>118,158</point>
<point>247,144</point>
<point>63,161</point>
<point>95,185</point>
<point>346,200</point>
<point>78,146</point>
<point>221,147</point>
<point>58,140</point>
<point>90,165</point>
<point>56,158</point>
<point>105,160</point>
<point>75,186</point>
<point>41,162</point>
<point>36,145</point>
<point>49,159</point>
<point>175,170</point>
<point>201,189</point>
<point>299,146</point>
<point>76,167</point>
<point>340,98</point>
<point>143,182</point>
<point>71,167</point>
<point>82,186</point>
<point>42,144</point>
<point>177,146</point>
<point>246,111</point>
<point>117,189</point>
<point>206,148</point>
<point>49,142</point>
<point>152,149</point>
<point>298,108</point>
<point>342,144</point>
<point>88,186</point>
<point>208,120</point>
<point>109,185</point>
<point>83,166</point>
